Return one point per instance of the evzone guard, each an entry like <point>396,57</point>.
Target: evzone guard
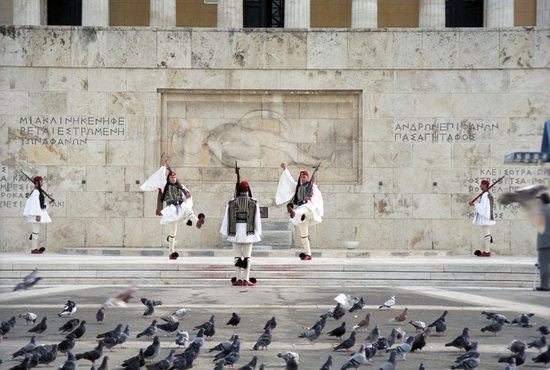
<point>242,226</point>
<point>484,216</point>
<point>305,205</point>
<point>177,200</point>
<point>36,211</point>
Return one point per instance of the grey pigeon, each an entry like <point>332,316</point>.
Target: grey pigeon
<point>511,364</point>
<point>348,343</point>
<point>152,350</point>
<point>235,344</point>
<point>392,337</point>
<point>264,340</point>
<point>181,338</point>
<point>328,364</point>
<point>69,326</point>
<point>234,355</point>
<point>373,335</point>
<point>134,362</point>
<point>292,360</point>
<point>389,303</point>
<point>418,325</point>
<point>523,319</point>
<point>403,348</point>
<point>495,316</point>
<point>421,367</point>
<point>439,323</point>
<point>337,312</point>
<point>516,345</point>
<point>69,364</point>
<point>220,365</point>
<point>111,333</point>
<point>28,281</point>
<point>164,364</point>
<point>29,317</point>
<point>69,309</point>
<point>222,346</point>
<point>23,365</point>
<point>149,306</point>
<point>543,358</point>
<point>538,343</point>
<point>208,326</point>
<point>390,364</point>
<point>272,323</point>
<point>251,365</point>
<point>100,314</point>
<point>467,363</point>
<point>461,340</point>
<point>104,363</point>
<point>169,327</point>
<point>149,331</point>
<point>234,320</point>
<point>26,348</point>
<point>339,331</point>
<point>123,336</point>
<point>80,330</point>
<point>357,359</point>
<point>520,358</point>
<point>7,325</point>
<point>46,354</point>
<point>311,334</point>
<point>494,327</point>
<point>92,355</point>
<point>40,327</point>
<point>544,329</point>
<point>176,315</point>
<point>67,344</point>
<point>357,305</point>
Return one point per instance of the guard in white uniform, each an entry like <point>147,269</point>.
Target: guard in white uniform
<point>36,212</point>
<point>178,203</point>
<point>484,217</point>
<point>242,226</point>
<point>305,207</point>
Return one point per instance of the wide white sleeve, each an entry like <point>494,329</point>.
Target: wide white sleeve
<point>258,221</point>
<point>32,207</point>
<point>286,188</point>
<point>483,207</point>
<point>223,228</point>
<point>317,200</point>
<point>155,181</point>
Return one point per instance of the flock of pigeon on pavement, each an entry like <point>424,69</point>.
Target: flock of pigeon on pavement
<point>227,352</point>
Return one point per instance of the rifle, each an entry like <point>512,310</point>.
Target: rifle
<point>312,180</point>
<point>238,173</point>
<point>490,186</point>
<point>43,191</point>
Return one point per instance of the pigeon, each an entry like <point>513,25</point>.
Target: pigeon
<point>28,281</point>
<point>176,315</point>
<point>418,325</point>
<point>123,336</point>
<point>390,364</point>
<point>544,357</point>
<point>292,360</point>
<point>232,353</point>
<point>264,340</point>
<point>347,344</point>
<point>67,344</point>
<point>220,365</point>
<point>234,320</point>
<point>165,363</point>
<point>181,338</point>
<point>373,335</point>
<point>69,364</point>
<point>208,326</point>
<point>272,323</point>
<point>355,360</point>
<point>169,327</point>
<point>328,364</point>
<point>104,363</point>
<point>363,324</point>
<point>45,354</point>
<point>68,310</point>
<point>337,312</point>
<point>522,195</point>
<point>357,305</point>
<point>92,355</point>
<point>421,366</point>
<point>538,343</point>
<point>40,327</point>
<point>70,325</point>
<point>152,350</point>
<point>389,303</point>
<point>401,317</point>
<point>222,346</point>
<point>381,343</point>
<point>311,334</point>
<point>403,348</point>
<point>29,317</point>
<point>321,322</point>
<point>461,340</point>
<point>6,326</point>
<point>494,327</point>
<point>134,362</point>
<point>511,364</point>
<point>251,365</point>
<point>544,329</point>
<point>419,342</point>
<point>79,330</point>
<point>523,319</point>
<point>23,365</point>
<point>26,348</point>
<point>111,333</point>
<point>520,358</point>
<point>339,331</point>
<point>149,331</point>
<point>149,306</point>
<point>516,345</point>
<point>122,299</point>
<point>100,314</point>
<point>390,339</point>
<point>496,317</point>
<point>468,363</point>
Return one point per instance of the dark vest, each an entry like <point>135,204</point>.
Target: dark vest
<point>492,204</point>
<point>242,209</point>
<point>302,191</point>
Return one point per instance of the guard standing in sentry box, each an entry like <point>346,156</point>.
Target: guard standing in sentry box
<point>242,226</point>
<point>178,200</point>
<point>36,211</point>
<point>306,204</point>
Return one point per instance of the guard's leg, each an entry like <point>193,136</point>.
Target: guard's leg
<point>34,237</point>
<point>487,240</point>
<point>172,237</point>
<point>544,266</point>
<point>247,255</point>
<point>303,229</point>
<point>237,280</point>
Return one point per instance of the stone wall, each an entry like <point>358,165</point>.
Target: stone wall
<point>405,123</point>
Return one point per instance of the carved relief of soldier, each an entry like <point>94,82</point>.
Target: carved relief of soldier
<point>36,212</point>
<point>304,204</point>
<point>174,203</point>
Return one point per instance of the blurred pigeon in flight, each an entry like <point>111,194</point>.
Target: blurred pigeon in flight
<point>121,300</point>
<point>69,309</point>
<point>389,303</point>
<point>28,281</point>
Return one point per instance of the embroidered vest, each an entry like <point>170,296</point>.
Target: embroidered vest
<point>241,210</point>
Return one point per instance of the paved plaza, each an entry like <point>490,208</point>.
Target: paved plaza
<point>295,307</point>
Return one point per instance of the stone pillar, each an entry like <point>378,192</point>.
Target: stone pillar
<point>432,14</point>
<point>543,13</point>
<point>297,13</point>
<point>364,14</point>
<point>230,13</point>
<point>26,12</point>
<point>162,13</point>
<point>95,13</point>
<point>500,13</point>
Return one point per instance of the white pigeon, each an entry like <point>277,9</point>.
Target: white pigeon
<point>345,300</point>
<point>69,309</point>
<point>182,337</point>
<point>389,303</point>
<point>28,317</point>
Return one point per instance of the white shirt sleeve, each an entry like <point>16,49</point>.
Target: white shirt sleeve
<point>286,188</point>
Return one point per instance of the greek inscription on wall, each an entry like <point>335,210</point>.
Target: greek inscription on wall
<point>441,132</point>
<point>69,130</point>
